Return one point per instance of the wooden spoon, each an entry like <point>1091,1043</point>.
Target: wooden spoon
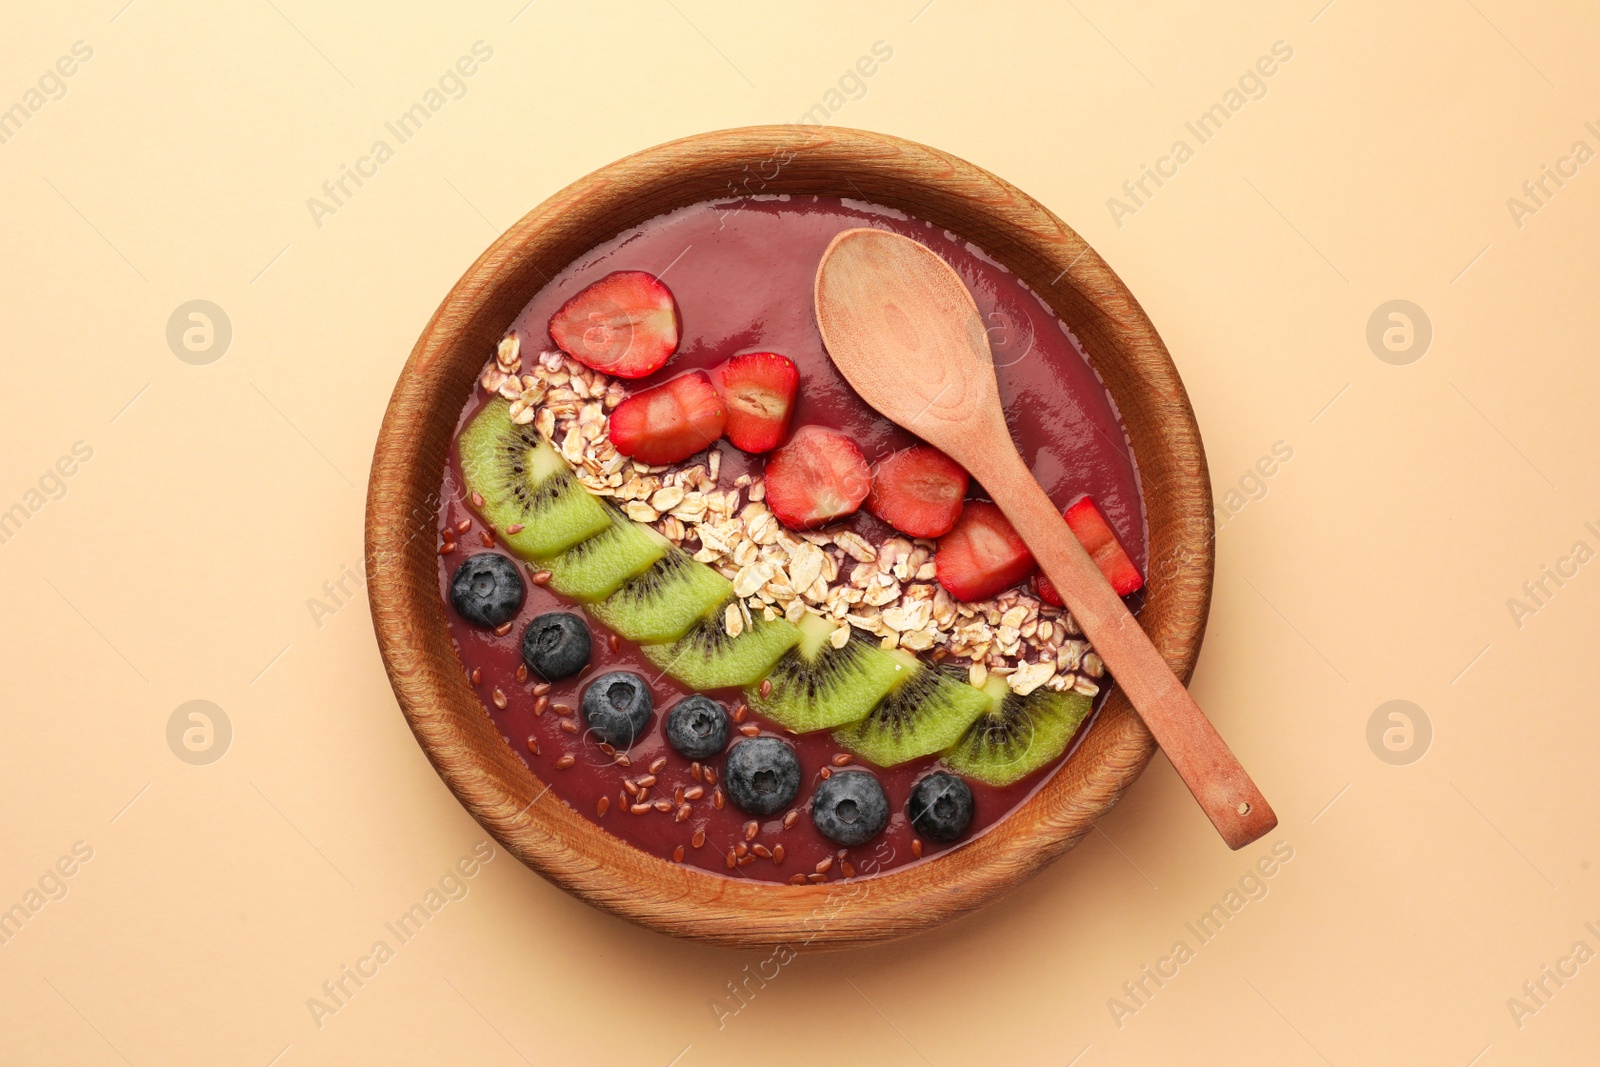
<point>903,330</point>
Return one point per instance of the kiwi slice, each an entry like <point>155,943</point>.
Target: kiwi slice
<point>525,485</point>
<point>664,601</point>
<point>926,712</point>
<point>707,657</point>
<point>817,687</point>
<point>593,569</point>
<point>1017,735</point>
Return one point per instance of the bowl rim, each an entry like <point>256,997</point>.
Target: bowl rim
<point>446,716</point>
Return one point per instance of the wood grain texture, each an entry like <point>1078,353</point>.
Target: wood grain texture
<point>402,502</point>
<point>903,329</point>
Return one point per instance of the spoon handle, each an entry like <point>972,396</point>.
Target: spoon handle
<point>1197,752</point>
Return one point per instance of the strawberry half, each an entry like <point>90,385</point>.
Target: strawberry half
<point>625,324</point>
<point>670,422</point>
<point>759,389</point>
<point>1100,541</point>
<point>982,554</point>
<point>918,491</point>
<point>817,477</point>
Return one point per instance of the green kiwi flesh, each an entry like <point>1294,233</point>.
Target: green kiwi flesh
<point>525,483</point>
<point>707,657</point>
<point>1017,735</point>
<point>817,687</point>
<point>664,601</point>
<point>594,569</point>
<point>926,712</point>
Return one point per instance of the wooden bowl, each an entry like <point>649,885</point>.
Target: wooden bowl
<point>403,498</point>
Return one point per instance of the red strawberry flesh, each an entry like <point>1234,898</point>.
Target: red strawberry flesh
<point>1100,541</point>
<point>759,388</point>
<point>625,324</point>
<point>819,476</point>
<point>918,491</point>
<point>670,422</point>
<point>982,554</point>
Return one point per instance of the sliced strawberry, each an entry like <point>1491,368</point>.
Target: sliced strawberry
<point>918,491</point>
<point>981,555</point>
<point>624,324</point>
<point>670,422</point>
<point>817,477</point>
<point>759,388</point>
<point>1100,541</point>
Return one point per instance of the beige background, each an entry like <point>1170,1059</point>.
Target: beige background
<point>1378,566</point>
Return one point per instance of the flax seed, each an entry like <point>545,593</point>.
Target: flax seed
<point>751,829</point>
<point>750,729</point>
<point>623,761</point>
<point>766,688</point>
<point>842,759</point>
<point>622,800</point>
<point>638,809</point>
<point>842,853</point>
<point>447,548</point>
<point>522,673</point>
<point>790,819</point>
<point>488,538</point>
<point>499,698</point>
<point>711,776</point>
<point>477,676</point>
<point>816,879</point>
<point>677,795</point>
<point>745,861</point>
<point>677,854</point>
<point>514,528</point>
<point>644,795</point>
<point>698,839</point>
<point>630,787</point>
<point>732,859</point>
<point>916,847</point>
<point>561,709</point>
<point>463,526</point>
<point>566,761</point>
<point>541,688</point>
<point>533,744</point>
<point>503,629</point>
<point>827,772</point>
<point>616,644</point>
<point>697,772</point>
<point>477,499</point>
<point>658,764</point>
<point>797,879</point>
<point>716,798</point>
<point>684,811</point>
<point>777,854</point>
<point>541,577</point>
<point>694,792</point>
<point>762,851</point>
<point>604,806</point>
<point>607,749</point>
<point>541,705</point>
<point>647,780</point>
<point>740,712</point>
<point>663,805</point>
<point>847,870</point>
<point>825,866</point>
<point>569,725</point>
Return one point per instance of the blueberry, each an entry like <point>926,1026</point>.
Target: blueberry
<point>487,590</point>
<point>849,807</point>
<point>697,727</point>
<point>762,775</point>
<point>940,807</point>
<point>555,645</point>
<point>617,708</point>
